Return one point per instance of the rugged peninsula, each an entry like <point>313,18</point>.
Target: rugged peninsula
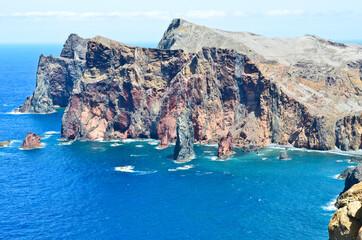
<point>302,91</point>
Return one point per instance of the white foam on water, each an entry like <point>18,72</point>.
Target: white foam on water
<point>207,151</point>
<point>51,132</point>
<point>46,136</point>
<point>99,140</point>
<point>116,144</point>
<point>137,155</point>
<point>65,143</point>
<point>335,151</point>
<point>139,146</point>
<point>264,158</point>
<point>339,161</point>
<point>186,167</point>
<point>128,168</point>
<point>128,140</point>
<point>336,177</point>
<point>153,143</point>
<point>330,205</point>
<point>29,149</point>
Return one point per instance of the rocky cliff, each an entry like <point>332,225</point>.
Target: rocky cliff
<point>56,76</point>
<point>132,92</point>
<point>322,76</point>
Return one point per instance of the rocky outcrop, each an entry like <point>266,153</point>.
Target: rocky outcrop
<point>353,177</point>
<point>56,77</point>
<point>184,148</point>
<point>345,173</point>
<point>225,148</point>
<point>347,220</point>
<point>5,143</point>
<point>32,140</point>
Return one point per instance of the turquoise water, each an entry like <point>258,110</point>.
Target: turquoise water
<point>73,191</point>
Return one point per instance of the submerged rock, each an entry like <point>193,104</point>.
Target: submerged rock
<point>32,140</point>
<point>184,148</point>
<point>5,143</point>
<point>346,221</point>
<point>225,148</point>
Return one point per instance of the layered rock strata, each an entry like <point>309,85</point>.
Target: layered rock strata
<point>132,92</point>
<point>225,147</point>
<point>31,140</point>
<point>56,77</point>
<point>321,75</point>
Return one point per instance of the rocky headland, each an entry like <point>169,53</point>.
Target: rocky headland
<point>56,77</point>
<point>303,91</point>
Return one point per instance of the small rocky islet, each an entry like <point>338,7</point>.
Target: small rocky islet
<point>238,92</point>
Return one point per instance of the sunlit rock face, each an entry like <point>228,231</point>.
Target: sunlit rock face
<point>133,92</point>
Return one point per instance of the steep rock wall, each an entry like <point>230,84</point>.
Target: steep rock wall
<point>131,92</point>
<point>56,76</point>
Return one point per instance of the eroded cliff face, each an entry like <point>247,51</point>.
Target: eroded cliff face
<point>56,76</point>
<point>321,76</point>
<point>132,92</point>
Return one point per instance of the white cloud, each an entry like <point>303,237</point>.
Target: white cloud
<point>284,12</point>
<point>240,14</point>
<point>163,15</point>
<point>196,14</point>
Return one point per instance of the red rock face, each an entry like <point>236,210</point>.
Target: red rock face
<point>31,141</point>
<point>225,146</point>
<point>131,92</point>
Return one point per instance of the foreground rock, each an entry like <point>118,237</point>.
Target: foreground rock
<point>56,77</point>
<point>31,141</point>
<point>184,148</point>
<point>346,221</point>
<point>5,143</point>
<point>225,148</point>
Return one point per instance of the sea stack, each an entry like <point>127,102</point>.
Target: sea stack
<point>225,148</point>
<point>31,141</point>
<point>284,156</point>
<point>184,149</point>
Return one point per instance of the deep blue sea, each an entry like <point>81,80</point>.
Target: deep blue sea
<point>74,192</point>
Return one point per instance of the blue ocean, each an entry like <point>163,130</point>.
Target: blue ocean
<point>73,191</point>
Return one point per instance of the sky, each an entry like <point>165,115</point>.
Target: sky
<point>49,21</point>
